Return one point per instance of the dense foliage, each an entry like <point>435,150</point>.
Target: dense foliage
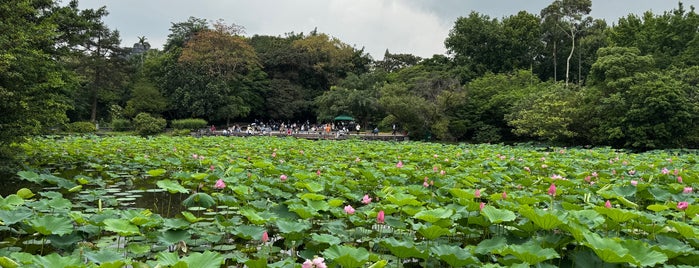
<point>277,202</point>
<point>558,77</point>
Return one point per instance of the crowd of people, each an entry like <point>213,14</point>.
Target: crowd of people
<point>339,128</point>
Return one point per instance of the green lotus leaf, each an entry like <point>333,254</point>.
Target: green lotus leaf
<point>121,226</point>
<point>248,231</point>
<point>171,186</point>
<point>190,217</point>
<point>167,258</point>
<point>55,260</point>
<point>318,205</point>
<point>170,237</point>
<point>208,259</point>
<point>25,193</point>
<point>11,201</point>
<point>404,249</point>
<point>9,217</point>
<point>6,262</point>
<point>118,264</point>
<point>199,200</point>
<point>403,199</point>
<point>530,252</point>
<point>286,226</point>
<point>30,176</point>
<point>461,193</point>
<point>379,264</point>
<point>303,211</point>
<point>433,231</point>
<point>326,238</point>
<point>256,263</point>
<point>607,249</point>
<point>642,253</point>
<point>252,216</point>
<point>49,224</point>
<point>454,256</point>
<point>616,214</point>
<point>657,207</point>
<point>199,176</point>
<point>546,220</point>
<point>434,215</point>
<point>104,255</point>
<point>347,256</point>
<point>156,172</point>
<point>587,217</point>
<point>496,215</point>
<point>314,187</point>
<point>684,229</point>
<point>489,245</point>
<point>671,246</point>
<point>312,196</point>
<point>177,223</point>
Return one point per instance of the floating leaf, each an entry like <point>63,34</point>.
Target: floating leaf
<point>286,226</point>
<point>326,238</point>
<point>171,186</point>
<point>103,256</point>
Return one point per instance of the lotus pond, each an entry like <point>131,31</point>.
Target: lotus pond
<point>285,202</point>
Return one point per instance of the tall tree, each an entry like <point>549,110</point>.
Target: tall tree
<point>33,84</point>
<point>570,17</point>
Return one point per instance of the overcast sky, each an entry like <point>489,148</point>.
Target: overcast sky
<point>416,27</point>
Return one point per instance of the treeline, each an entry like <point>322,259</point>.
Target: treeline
<point>558,77</point>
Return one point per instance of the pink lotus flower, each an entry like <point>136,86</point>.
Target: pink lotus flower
<point>317,262</point>
<point>679,179</point>
<point>665,171</point>
<point>195,156</point>
<point>366,199</point>
<point>504,195</point>
<point>687,190</point>
<point>435,168</point>
<point>481,205</point>
<point>265,237</point>
<point>634,182</point>
<point>212,168</point>
<point>380,217</point>
<point>682,205</point>
<point>426,184</point>
<point>477,194</point>
<point>607,204</point>
<point>552,189</point>
<point>400,164</point>
<point>544,166</point>
<point>220,184</point>
<point>283,177</point>
<point>307,264</point>
<point>349,209</point>
<point>587,178</point>
<point>442,172</point>
<point>677,172</point>
<point>528,169</point>
<point>318,172</point>
<point>594,174</point>
<point>274,154</point>
<point>632,172</point>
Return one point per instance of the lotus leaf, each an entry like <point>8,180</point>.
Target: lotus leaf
<point>496,216</point>
<point>207,259</point>
<point>171,186</point>
<point>49,224</point>
<point>121,226</point>
<point>347,256</point>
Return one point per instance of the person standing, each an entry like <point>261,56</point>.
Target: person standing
<point>358,127</point>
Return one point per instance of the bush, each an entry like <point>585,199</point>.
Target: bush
<point>189,123</point>
<point>145,124</point>
<point>81,127</point>
<point>121,124</point>
<point>180,132</point>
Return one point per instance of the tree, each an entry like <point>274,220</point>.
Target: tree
<point>568,15</point>
<point>145,98</point>
<point>33,85</point>
<point>547,114</point>
<point>395,62</point>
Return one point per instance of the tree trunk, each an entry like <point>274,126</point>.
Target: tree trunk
<point>572,37</point>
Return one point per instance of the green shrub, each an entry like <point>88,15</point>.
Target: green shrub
<point>81,127</point>
<point>121,124</point>
<point>145,124</point>
<point>189,123</point>
<point>180,132</point>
